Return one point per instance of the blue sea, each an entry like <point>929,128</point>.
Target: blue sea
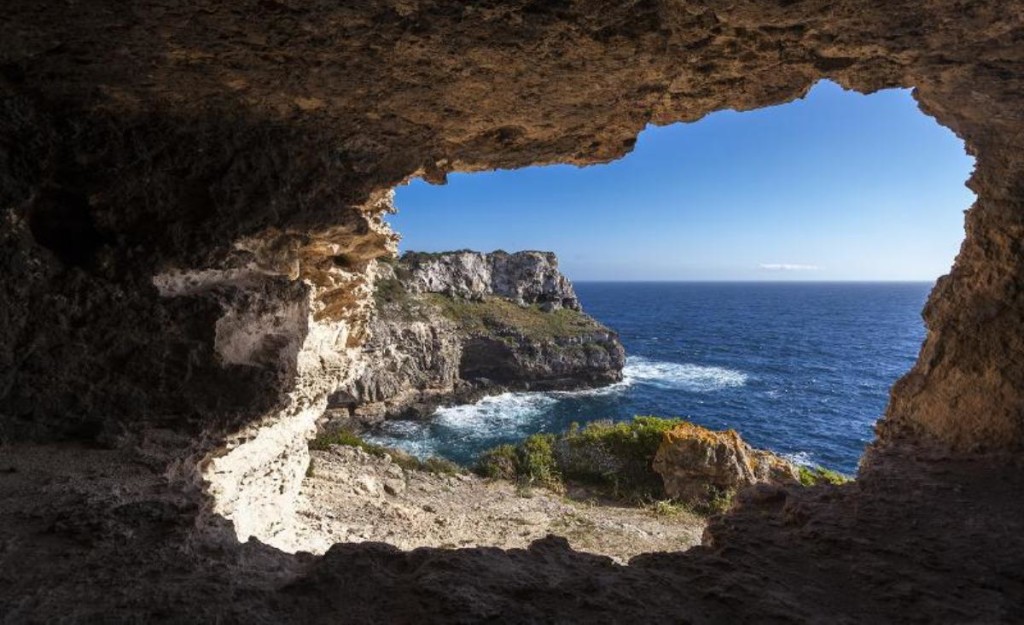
<point>803,369</point>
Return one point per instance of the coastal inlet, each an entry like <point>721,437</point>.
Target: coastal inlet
<point>802,369</point>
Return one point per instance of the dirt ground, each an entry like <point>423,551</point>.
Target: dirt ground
<point>353,496</point>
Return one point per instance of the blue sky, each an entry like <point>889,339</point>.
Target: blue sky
<point>837,186</point>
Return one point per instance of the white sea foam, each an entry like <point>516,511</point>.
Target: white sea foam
<point>601,391</point>
<point>505,416</point>
<point>512,416</point>
<point>685,377</point>
<point>801,458</point>
<point>498,415</point>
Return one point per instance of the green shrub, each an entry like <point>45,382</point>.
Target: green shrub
<point>325,440</point>
<point>532,462</point>
<point>718,500</point>
<point>441,466</point>
<point>537,461</point>
<point>616,455</point>
<point>666,508</point>
<point>389,290</point>
<point>501,462</point>
<point>810,476</point>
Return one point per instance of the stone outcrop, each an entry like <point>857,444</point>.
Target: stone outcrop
<point>523,277</point>
<point>450,327</point>
<point>249,146</point>
<point>694,462</point>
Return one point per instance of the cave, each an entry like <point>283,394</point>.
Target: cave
<point>192,199</point>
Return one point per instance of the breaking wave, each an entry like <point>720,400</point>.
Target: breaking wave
<point>514,416</point>
<point>504,416</point>
<point>684,377</point>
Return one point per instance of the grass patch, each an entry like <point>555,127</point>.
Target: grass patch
<point>811,476</point>
<point>666,508</point>
<point>409,462</point>
<point>497,317</point>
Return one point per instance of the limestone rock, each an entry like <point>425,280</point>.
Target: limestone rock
<point>524,277</point>
<point>449,327</point>
<point>692,458</point>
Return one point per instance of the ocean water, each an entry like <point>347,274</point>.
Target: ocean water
<point>803,369</point>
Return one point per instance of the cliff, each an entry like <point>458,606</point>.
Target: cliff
<point>524,277</point>
<point>453,326</point>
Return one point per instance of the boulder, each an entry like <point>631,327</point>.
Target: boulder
<point>694,462</point>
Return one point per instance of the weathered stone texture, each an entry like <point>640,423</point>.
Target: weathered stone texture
<point>251,145</point>
<point>526,278</point>
<point>694,461</point>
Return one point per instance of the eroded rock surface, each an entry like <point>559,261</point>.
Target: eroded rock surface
<point>693,460</point>
<point>249,145</point>
<point>526,278</point>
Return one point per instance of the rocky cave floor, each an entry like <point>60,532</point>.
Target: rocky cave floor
<point>352,496</point>
<point>95,535</point>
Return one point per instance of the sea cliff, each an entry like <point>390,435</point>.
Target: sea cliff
<point>450,327</point>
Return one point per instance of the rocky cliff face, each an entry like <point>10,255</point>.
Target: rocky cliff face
<point>524,277</point>
<point>173,175</point>
<point>450,327</point>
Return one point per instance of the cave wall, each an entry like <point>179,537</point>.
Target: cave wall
<point>174,173</point>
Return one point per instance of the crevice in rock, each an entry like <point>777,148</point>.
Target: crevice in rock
<point>62,222</point>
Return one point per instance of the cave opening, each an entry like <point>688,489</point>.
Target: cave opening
<point>765,272</point>
<point>296,119</point>
<point>749,244</point>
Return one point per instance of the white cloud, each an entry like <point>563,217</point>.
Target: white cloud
<point>788,267</point>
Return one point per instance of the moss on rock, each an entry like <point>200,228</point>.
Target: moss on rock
<point>812,476</point>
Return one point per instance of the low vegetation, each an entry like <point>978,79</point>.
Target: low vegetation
<point>615,457</point>
<point>810,476</point>
<point>531,463</point>
<point>326,440</point>
<point>496,316</point>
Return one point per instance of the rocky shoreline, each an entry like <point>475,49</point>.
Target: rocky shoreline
<point>449,328</point>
